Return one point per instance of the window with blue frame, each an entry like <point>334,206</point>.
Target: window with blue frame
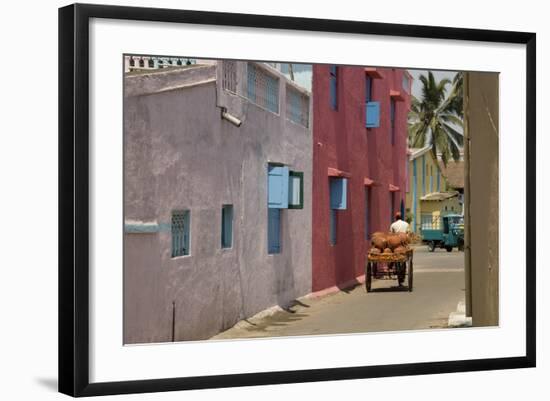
<point>273,231</point>
<point>392,120</point>
<point>227,226</point>
<point>368,88</point>
<point>392,206</point>
<point>367,212</point>
<point>338,193</point>
<point>180,225</point>
<point>333,226</point>
<point>285,190</point>
<point>372,109</point>
<point>333,87</point>
<point>338,201</point>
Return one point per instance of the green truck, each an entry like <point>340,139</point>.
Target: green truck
<point>445,231</point>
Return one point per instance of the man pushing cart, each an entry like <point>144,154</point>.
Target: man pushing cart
<point>391,255</point>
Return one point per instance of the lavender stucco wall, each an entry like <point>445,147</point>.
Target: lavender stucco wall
<point>180,154</point>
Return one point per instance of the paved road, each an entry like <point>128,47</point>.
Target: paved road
<point>438,288</point>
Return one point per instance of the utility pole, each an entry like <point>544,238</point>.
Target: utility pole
<point>467,197</point>
<point>291,71</point>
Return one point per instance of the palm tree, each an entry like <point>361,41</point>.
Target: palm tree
<point>456,104</point>
<point>436,119</point>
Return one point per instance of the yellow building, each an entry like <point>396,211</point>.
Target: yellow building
<point>437,204</point>
<point>428,193</point>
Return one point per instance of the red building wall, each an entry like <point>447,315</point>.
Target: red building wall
<point>342,142</point>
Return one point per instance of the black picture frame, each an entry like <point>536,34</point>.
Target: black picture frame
<point>74,194</point>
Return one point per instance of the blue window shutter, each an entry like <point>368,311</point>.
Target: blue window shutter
<point>373,114</point>
<point>277,187</point>
<point>338,193</point>
<point>273,230</point>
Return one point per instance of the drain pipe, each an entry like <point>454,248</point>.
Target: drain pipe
<point>173,321</point>
<point>231,118</point>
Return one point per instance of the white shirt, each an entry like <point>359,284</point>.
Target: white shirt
<point>399,226</point>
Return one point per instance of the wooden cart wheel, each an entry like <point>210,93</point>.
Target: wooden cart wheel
<point>368,276</point>
<point>410,274</point>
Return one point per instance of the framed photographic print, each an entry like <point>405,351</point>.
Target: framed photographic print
<point>251,199</point>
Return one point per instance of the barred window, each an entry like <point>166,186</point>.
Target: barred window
<point>229,75</point>
<point>297,106</point>
<point>180,233</point>
<point>263,88</point>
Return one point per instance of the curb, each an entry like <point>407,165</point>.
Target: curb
<point>459,318</point>
<point>334,289</point>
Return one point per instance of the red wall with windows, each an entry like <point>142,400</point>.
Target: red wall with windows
<point>342,143</point>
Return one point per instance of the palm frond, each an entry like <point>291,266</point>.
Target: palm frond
<point>435,119</point>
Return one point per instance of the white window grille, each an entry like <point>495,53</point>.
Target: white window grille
<point>297,106</point>
<point>263,88</point>
<point>229,76</point>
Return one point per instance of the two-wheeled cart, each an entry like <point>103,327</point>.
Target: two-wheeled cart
<point>389,266</point>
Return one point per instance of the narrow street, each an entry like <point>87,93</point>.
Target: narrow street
<point>438,288</point>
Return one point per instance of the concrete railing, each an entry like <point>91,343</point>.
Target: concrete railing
<point>133,62</point>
